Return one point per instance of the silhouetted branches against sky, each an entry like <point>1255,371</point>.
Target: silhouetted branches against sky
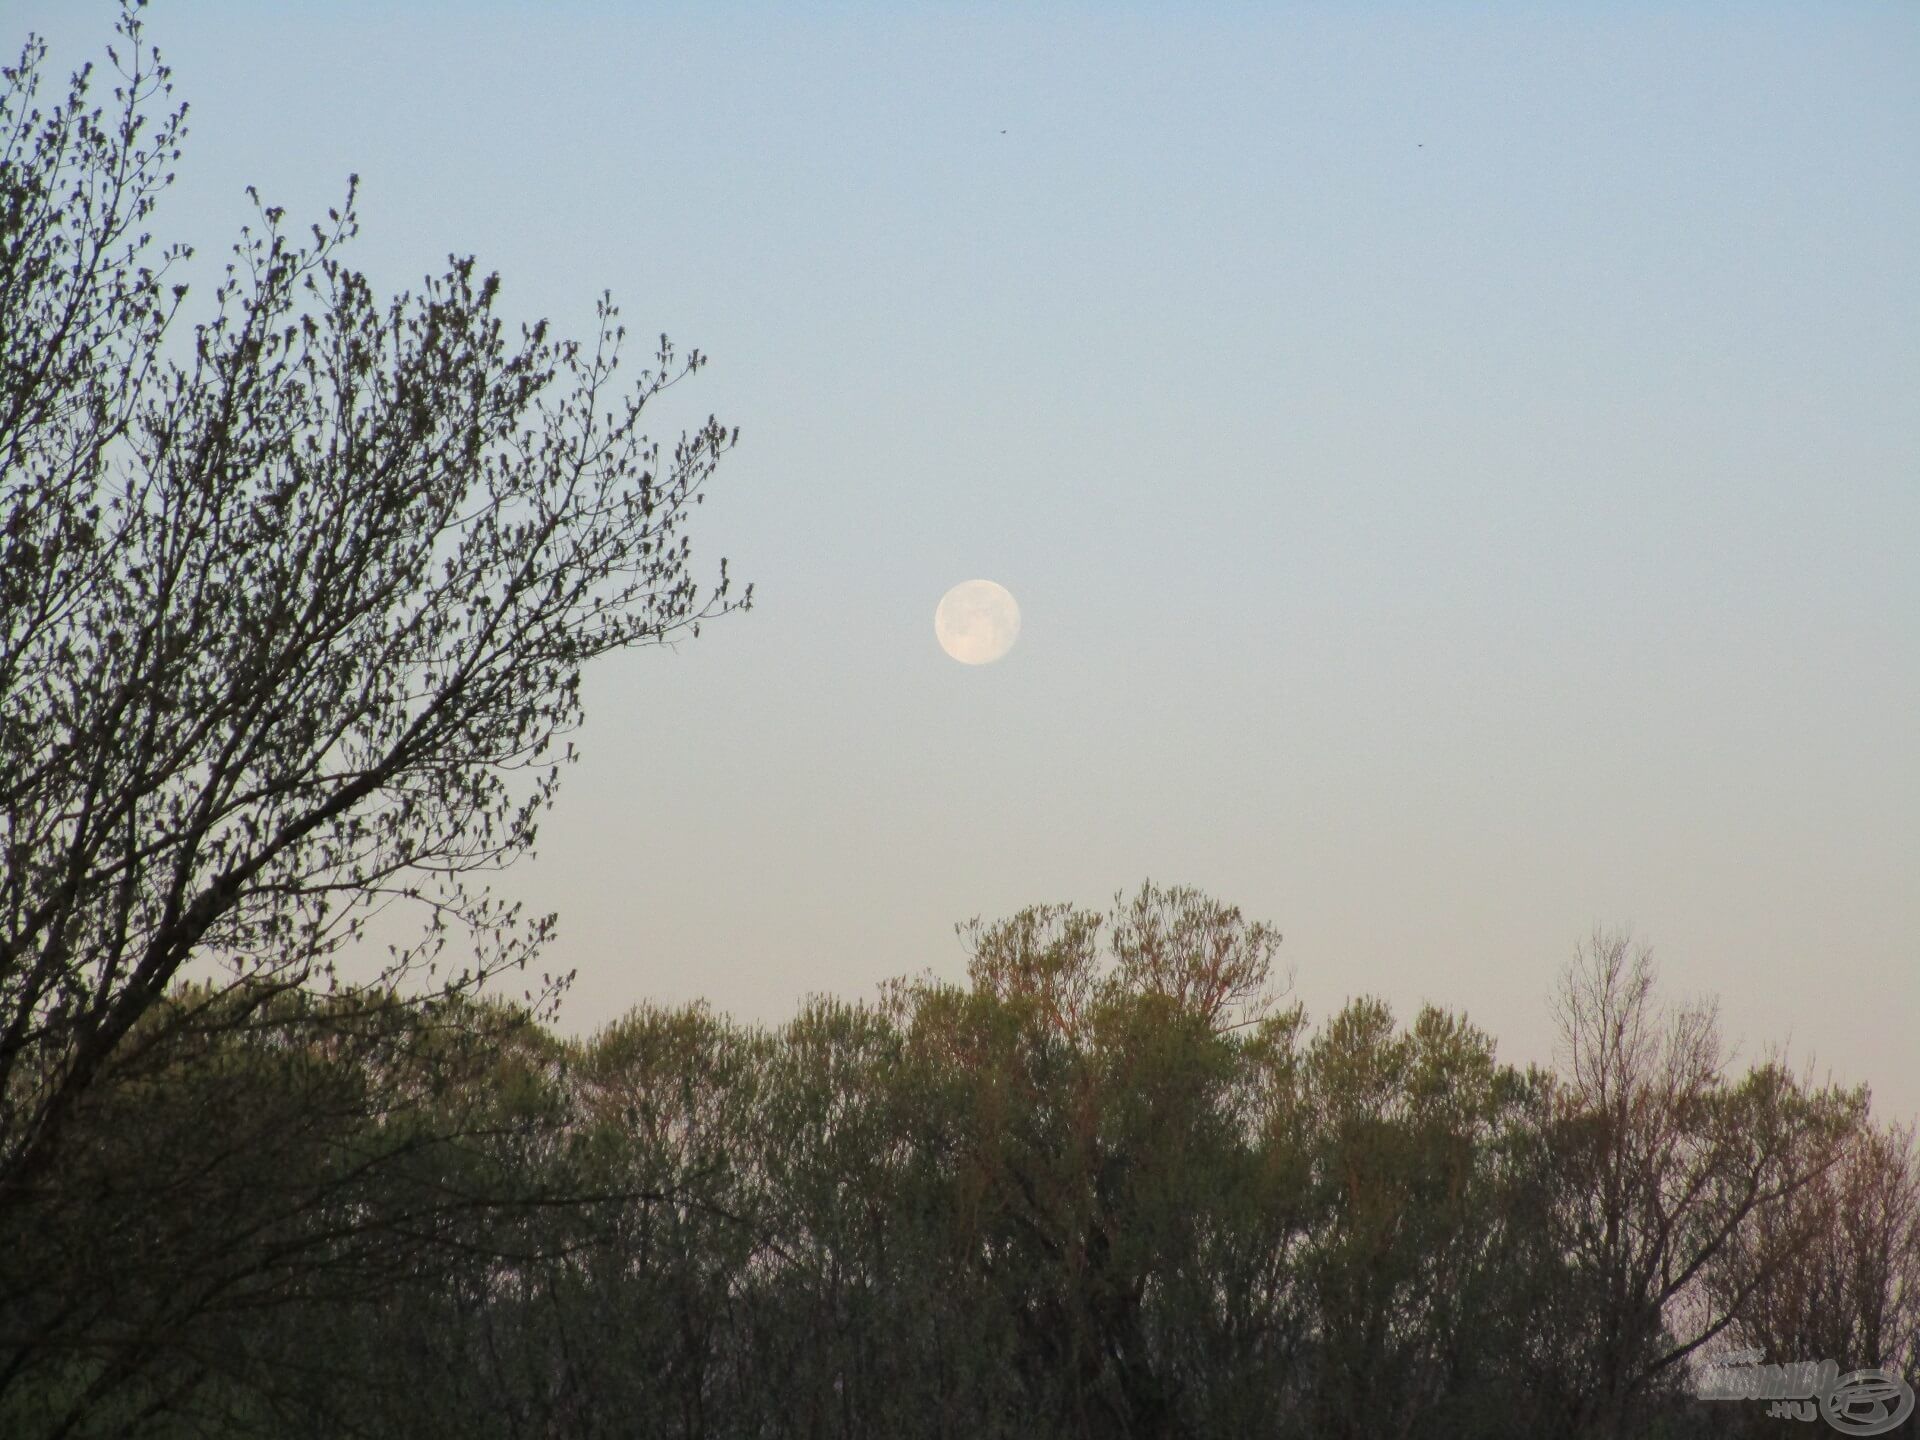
<point>292,616</point>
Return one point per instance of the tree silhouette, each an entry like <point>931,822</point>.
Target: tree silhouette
<point>293,608</point>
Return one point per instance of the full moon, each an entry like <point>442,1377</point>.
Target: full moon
<point>977,622</point>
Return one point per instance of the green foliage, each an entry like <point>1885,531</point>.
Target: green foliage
<point>1068,1198</point>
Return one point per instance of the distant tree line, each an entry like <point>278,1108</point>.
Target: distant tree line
<point>1108,1187</point>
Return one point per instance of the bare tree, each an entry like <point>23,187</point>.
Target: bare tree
<point>1671,1165</point>
<point>293,606</point>
<point>1849,1287</point>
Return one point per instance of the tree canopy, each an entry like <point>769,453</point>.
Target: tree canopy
<point>1068,1196</point>
<point>297,585</point>
<point>293,604</point>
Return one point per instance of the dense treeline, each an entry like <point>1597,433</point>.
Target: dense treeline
<point>1108,1187</point>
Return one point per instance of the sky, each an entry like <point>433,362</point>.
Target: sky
<point>1459,469</point>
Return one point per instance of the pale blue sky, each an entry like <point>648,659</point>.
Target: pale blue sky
<point>1459,466</point>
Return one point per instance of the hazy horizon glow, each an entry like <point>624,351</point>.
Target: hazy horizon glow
<point>1461,471</point>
